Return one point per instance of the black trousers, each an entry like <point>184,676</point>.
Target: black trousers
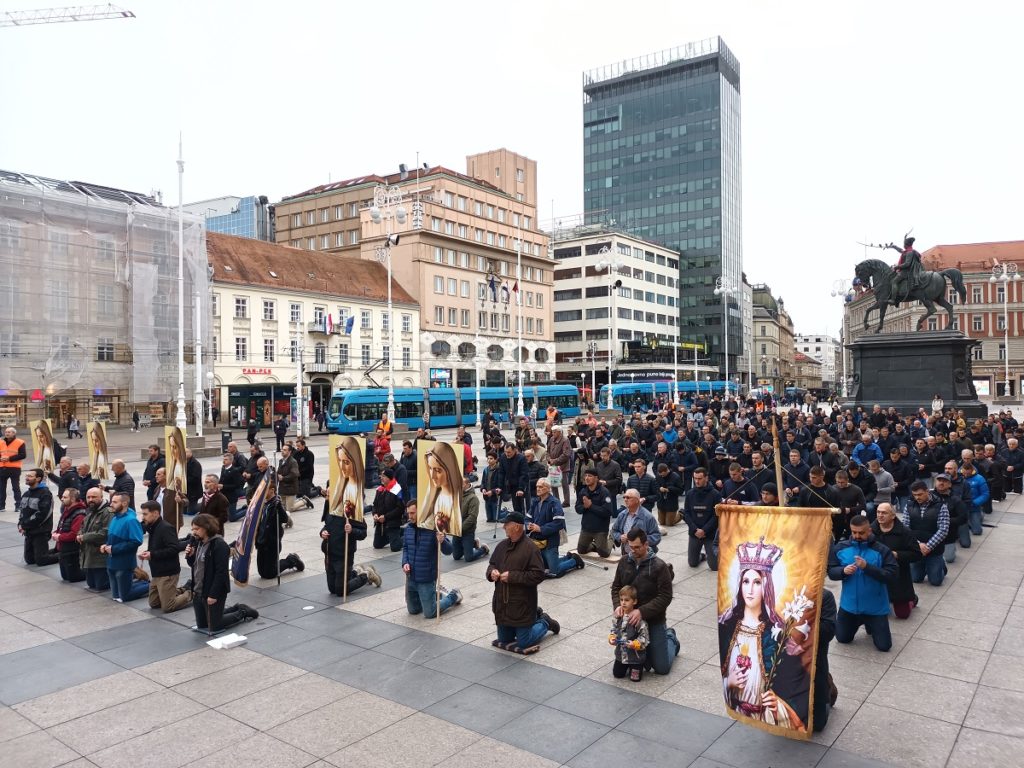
<point>70,567</point>
<point>336,573</point>
<point>387,537</point>
<point>14,476</point>
<point>37,549</point>
<point>218,617</point>
<point>267,564</point>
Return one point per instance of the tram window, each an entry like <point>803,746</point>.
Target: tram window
<point>442,408</point>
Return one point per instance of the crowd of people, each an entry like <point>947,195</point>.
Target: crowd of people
<point>910,490</point>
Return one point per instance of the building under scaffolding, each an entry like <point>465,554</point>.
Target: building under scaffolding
<point>89,301</point>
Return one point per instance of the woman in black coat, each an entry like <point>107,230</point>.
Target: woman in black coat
<point>889,530</point>
<point>207,554</point>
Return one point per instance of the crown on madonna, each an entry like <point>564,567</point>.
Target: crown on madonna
<point>758,556</point>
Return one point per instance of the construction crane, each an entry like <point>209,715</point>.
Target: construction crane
<point>58,15</point>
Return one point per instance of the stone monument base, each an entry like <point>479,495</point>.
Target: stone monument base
<point>907,370</point>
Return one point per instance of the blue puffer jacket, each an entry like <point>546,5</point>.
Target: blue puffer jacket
<point>864,590</point>
<point>420,552</point>
<point>549,516</point>
<point>124,535</point>
<point>976,491</point>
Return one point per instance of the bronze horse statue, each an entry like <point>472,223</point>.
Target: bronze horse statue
<point>931,289</point>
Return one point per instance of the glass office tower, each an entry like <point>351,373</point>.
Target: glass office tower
<point>662,160</point>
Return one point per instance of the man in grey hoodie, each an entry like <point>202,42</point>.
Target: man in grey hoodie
<point>886,485</point>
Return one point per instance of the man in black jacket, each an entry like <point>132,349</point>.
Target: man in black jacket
<point>280,430</point>
<point>670,486</point>
<point>902,472</point>
<point>338,532</point>
<point>123,482</point>
<point>515,477</point>
<point>644,484</point>
<point>67,477</point>
<point>596,503</point>
<point>35,519</point>
<point>269,562</point>
<point>305,459</point>
<point>164,557</point>
<point>153,463</point>
<point>866,482</point>
<point>702,520</point>
<point>652,578</point>
<point>253,473</point>
<point>231,483</point>
<point>850,500</point>
<point>193,481</point>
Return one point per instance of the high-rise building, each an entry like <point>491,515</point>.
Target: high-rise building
<point>826,350</point>
<point>661,158</point>
<point>251,216</point>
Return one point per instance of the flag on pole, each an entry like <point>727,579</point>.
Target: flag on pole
<point>515,290</point>
<point>504,293</point>
<point>330,323</point>
<point>494,289</point>
<point>349,323</point>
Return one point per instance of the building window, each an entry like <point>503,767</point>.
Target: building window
<point>293,350</point>
<point>1002,351</point>
<point>451,258</point>
<point>439,315</point>
<point>105,300</point>
<point>353,237</point>
<point>387,353</point>
<point>478,235</point>
<point>540,301</point>
<point>365,319</point>
<point>977,322</point>
<point>976,353</point>
<point>406,357</point>
<point>241,307</point>
<point>478,208</point>
<point>343,315</point>
<point>529,324</point>
<point>339,212</point>
<point>268,350</point>
<point>385,321</point>
<point>296,220</point>
<point>295,313</point>
<point>269,310</point>
<point>320,353</point>
<point>976,294</point>
<point>406,323</point>
<point>438,284</point>
<point>955,325</point>
<point>504,323</point>
<point>215,347</point>
<point>453,286</point>
<point>482,320</point>
<point>241,348</point>
<point>529,298</point>
<point>105,350</point>
<point>1000,292</point>
<point>953,297</point>
<point>464,314</point>
<point>325,242</point>
<point>540,327</point>
<point>311,244</point>
<point>365,354</point>
<point>462,203</point>
<point>464,289</point>
<point>353,209</point>
<point>494,321</point>
<point>215,304</point>
<point>320,316</point>
<point>463,231</point>
<point>1000,322</point>
<point>490,238</point>
<point>449,199</point>
<point>339,239</point>
<point>343,355</point>
<point>453,316</point>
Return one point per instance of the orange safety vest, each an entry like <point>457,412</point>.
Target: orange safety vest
<point>10,449</point>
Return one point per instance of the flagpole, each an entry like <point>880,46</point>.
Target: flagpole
<point>437,596</point>
<point>344,588</point>
<point>778,461</point>
<point>519,352</point>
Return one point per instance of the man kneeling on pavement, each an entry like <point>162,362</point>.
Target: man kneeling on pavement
<point>546,521</point>
<point>164,557</point>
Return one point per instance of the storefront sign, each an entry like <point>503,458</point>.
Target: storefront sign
<point>440,374</point>
<point>644,375</point>
<point>255,371</point>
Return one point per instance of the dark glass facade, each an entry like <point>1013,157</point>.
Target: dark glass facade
<point>661,158</point>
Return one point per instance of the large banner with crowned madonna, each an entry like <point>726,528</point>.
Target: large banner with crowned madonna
<point>771,573</point>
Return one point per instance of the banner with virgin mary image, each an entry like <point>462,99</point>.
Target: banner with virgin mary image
<point>439,487</point>
<point>771,573</point>
<point>347,476</point>
<point>245,544</point>
<point>44,447</point>
<point>99,456</point>
<point>175,459</point>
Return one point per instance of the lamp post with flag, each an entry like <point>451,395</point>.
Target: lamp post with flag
<point>387,205</point>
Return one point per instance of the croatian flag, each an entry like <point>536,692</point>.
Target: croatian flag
<point>330,324</point>
<point>494,289</point>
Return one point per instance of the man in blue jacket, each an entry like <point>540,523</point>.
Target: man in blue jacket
<point>865,567</point>
<point>419,562</point>
<point>867,450</point>
<point>976,494</point>
<point>544,523</point>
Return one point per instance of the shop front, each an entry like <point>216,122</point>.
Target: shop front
<point>260,402</point>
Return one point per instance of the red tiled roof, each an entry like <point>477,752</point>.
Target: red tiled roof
<point>395,178</point>
<point>252,261</point>
<point>973,256</point>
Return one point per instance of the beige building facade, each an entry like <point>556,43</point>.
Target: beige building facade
<point>469,253</point>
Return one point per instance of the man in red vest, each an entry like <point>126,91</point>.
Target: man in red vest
<point>12,453</point>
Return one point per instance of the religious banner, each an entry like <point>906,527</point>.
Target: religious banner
<point>99,457</point>
<point>44,449</point>
<point>347,475</point>
<point>174,459</point>
<point>245,544</point>
<point>439,486</point>
<point>771,573</point>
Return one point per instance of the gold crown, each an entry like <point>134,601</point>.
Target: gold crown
<point>758,556</point>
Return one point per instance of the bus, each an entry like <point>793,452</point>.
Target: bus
<point>626,397</point>
<point>352,411</point>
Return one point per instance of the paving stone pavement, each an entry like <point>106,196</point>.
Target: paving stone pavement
<point>87,682</point>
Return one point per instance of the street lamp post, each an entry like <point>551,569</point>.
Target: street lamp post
<point>583,382</point>
<point>519,303</point>
<point>179,417</point>
<point>592,350</point>
<point>478,360</point>
<point>725,288</point>
<point>1006,273</point>
<point>843,288</point>
<point>613,265</point>
<point>209,389</point>
<point>387,205</point>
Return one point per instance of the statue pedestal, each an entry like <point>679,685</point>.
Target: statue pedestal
<point>906,370</point>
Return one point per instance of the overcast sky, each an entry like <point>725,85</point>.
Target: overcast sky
<point>860,120</point>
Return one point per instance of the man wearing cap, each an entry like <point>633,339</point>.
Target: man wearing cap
<point>958,530</point>
<point>770,495</point>
<point>718,468</point>
<point>516,568</point>
<point>545,521</point>
<point>596,503</point>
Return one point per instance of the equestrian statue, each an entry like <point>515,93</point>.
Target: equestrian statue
<point>906,281</point>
